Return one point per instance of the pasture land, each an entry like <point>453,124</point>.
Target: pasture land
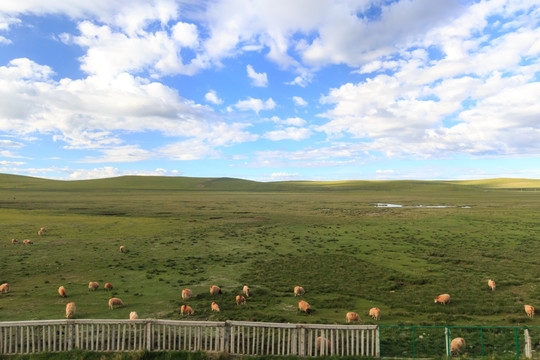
<point>328,237</point>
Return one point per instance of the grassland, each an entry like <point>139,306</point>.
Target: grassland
<point>326,236</point>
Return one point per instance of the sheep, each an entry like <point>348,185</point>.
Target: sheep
<point>92,285</point>
<point>70,310</point>
<point>443,299</point>
<point>13,241</point>
<point>186,309</point>
<point>327,344</point>
<point>240,300</point>
<point>375,313</point>
<point>491,284</point>
<point>108,286</point>
<point>215,307</point>
<point>115,302</point>
<point>41,231</point>
<point>27,242</point>
<point>133,315</point>
<point>299,291</point>
<point>457,345</point>
<point>246,290</point>
<point>62,291</point>
<point>186,294</point>
<point>214,290</point>
<point>529,310</point>
<point>4,288</point>
<point>122,249</point>
<point>304,306</point>
<point>352,316</point>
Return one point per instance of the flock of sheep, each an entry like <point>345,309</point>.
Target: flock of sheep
<point>456,345</point>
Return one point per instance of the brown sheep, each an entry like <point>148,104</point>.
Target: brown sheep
<point>70,310</point>
<point>215,307</point>
<point>92,285</point>
<point>115,302</point>
<point>246,290</point>
<point>240,300</point>
<point>352,316</point>
<point>4,288</point>
<point>186,294</point>
<point>304,306</point>
<point>375,313</point>
<point>13,241</point>
<point>186,309</point>
<point>41,231</point>
<point>133,315</point>
<point>443,299</point>
<point>214,290</point>
<point>27,242</point>
<point>529,310</point>
<point>491,284</point>
<point>457,345</point>
<point>328,344</point>
<point>62,291</point>
<point>299,291</point>
<point>108,286</point>
<point>122,249</point>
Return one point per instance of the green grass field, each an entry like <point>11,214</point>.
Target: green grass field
<point>328,237</point>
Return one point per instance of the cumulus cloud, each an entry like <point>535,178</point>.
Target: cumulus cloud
<point>256,105</point>
<point>289,133</point>
<point>298,101</point>
<point>257,79</point>
<point>212,97</point>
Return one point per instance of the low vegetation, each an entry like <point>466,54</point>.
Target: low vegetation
<point>328,237</point>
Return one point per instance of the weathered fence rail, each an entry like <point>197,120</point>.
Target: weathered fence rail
<point>234,337</point>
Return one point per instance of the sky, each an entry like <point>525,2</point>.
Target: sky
<point>270,90</point>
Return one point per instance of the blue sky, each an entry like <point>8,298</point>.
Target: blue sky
<point>270,90</point>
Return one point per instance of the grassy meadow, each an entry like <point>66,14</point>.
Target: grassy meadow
<point>328,237</point>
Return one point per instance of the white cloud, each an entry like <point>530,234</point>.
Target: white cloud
<point>298,101</point>
<point>290,133</point>
<point>211,96</point>
<point>255,105</point>
<point>258,79</point>
<point>296,121</point>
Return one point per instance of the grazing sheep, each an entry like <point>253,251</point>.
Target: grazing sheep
<point>115,302</point>
<point>70,310</point>
<point>304,306</point>
<point>327,344</point>
<point>215,307</point>
<point>13,241</point>
<point>186,309</point>
<point>246,290</point>
<point>214,290</point>
<point>186,294</point>
<point>4,288</point>
<point>352,316</point>
<point>375,313</point>
<point>299,291</point>
<point>240,300</point>
<point>41,231</point>
<point>133,315</point>
<point>491,284</point>
<point>529,310</point>
<point>28,242</point>
<point>457,345</point>
<point>443,299</point>
<point>108,286</point>
<point>122,249</point>
<point>62,291</point>
<point>92,285</point>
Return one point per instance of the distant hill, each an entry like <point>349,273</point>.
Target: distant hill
<point>8,181</point>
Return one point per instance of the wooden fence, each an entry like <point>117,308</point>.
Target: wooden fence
<point>233,337</point>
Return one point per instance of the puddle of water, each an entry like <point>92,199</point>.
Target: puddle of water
<point>419,206</point>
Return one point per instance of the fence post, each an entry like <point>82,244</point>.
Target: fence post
<point>302,345</point>
<point>447,341</point>
<point>378,342</point>
<point>149,335</point>
<point>227,336</point>
<point>528,344</point>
